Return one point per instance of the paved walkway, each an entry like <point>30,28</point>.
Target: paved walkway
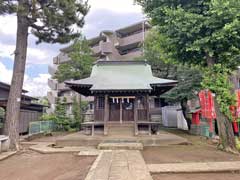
<point>46,148</point>
<point>4,155</point>
<point>119,165</point>
<point>194,167</point>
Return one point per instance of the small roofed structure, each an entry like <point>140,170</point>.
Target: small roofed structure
<point>29,111</point>
<point>121,90</point>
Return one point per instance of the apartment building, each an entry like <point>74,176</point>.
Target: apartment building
<point>122,44</point>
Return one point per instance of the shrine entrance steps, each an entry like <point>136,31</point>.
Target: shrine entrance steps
<point>123,135</point>
<point>123,129</point>
<point>120,145</point>
<point>121,132</point>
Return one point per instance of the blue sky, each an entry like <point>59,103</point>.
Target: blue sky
<point>103,15</point>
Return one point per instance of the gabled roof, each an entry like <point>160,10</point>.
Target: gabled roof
<point>115,76</point>
<point>7,87</point>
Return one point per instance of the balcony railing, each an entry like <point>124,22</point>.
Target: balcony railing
<point>52,83</point>
<point>63,58</point>
<point>55,60</point>
<point>52,97</point>
<point>52,69</point>
<point>131,55</point>
<point>106,47</point>
<point>132,39</point>
<point>96,49</point>
<point>69,98</point>
<point>62,86</point>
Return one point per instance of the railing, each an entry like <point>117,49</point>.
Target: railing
<point>131,55</point>
<point>105,47</point>
<point>37,127</point>
<point>96,49</point>
<point>52,97</point>
<point>87,117</point>
<point>52,69</point>
<point>134,38</point>
<point>52,83</point>
<point>62,86</point>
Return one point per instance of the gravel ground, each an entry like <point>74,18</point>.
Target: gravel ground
<point>29,165</point>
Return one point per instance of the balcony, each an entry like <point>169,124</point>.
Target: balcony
<point>62,87</point>
<point>105,47</point>
<point>131,55</point>
<point>52,97</point>
<point>96,49</point>
<point>69,98</point>
<point>132,39</point>
<point>52,83</point>
<point>63,58</point>
<point>52,69</point>
<point>55,60</point>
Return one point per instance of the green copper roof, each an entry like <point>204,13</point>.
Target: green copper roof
<point>121,75</point>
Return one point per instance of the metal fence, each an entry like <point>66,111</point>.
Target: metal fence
<point>37,127</point>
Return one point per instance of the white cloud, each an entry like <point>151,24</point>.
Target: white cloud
<point>8,25</point>
<point>36,86</point>
<point>122,6</point>
<point>34,55</point>
<point>103,15</point>
<point>5,74</point>
<point>6,50</point>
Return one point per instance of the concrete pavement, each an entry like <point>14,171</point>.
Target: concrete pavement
<point>119,165</point>
<point>195,167</point>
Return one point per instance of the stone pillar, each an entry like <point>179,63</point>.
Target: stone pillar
<point>135,116</point>
<point>106,114</point>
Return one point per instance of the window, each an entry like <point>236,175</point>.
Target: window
<point>90,106</point>
<point>157,102</point>
<point>100,102</point>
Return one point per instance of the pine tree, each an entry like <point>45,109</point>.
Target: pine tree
<point>50,21</point>
<point>77,112</point>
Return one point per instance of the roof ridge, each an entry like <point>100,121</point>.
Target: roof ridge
<point>128,62</point>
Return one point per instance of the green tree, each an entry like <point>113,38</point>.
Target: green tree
<point>189,78</point>
<point>154,55</point>
<point>2,114</point>
<point>80,63</point>
<point>51,21</point>
<point>62,120</point>
<point>202,33</point>
<point>77,112</point>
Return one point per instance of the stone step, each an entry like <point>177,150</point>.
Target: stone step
<point>121,129</point>
<point>120,146</point>
<point>121,124</point>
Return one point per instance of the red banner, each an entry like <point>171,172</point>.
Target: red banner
<point>207,104</point>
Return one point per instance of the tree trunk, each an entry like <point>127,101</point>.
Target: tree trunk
<point>225,130</point>
<point>11,127</point>
<point>210,60</point>
<point>184,110</point>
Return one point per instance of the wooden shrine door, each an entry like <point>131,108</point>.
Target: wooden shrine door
<point>128,110</point>
<point>114,111</point>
